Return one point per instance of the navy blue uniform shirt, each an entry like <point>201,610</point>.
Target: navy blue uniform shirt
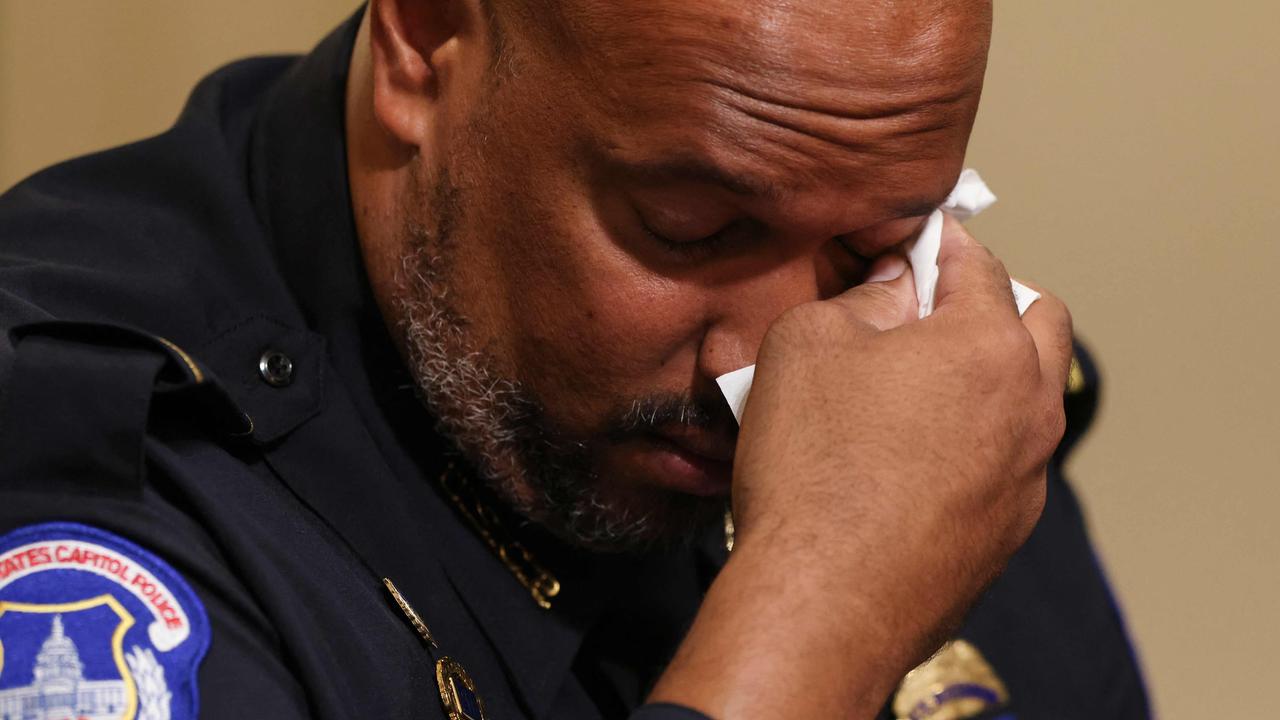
<point>211,458</point>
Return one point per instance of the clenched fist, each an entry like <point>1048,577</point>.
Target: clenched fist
<point>887,468</point>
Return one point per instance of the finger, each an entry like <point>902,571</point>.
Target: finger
<point>886,298</point>
<point>968,272</point>
<point>1049,323</point>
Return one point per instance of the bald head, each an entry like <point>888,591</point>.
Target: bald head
<point>792,80</point>
<point>837,40</point>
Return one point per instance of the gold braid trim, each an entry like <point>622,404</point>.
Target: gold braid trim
<point>541,584</point>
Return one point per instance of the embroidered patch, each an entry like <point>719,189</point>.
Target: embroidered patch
<point>94,627</point>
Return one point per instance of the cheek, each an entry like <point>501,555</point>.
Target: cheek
<point>583,324</point>
<point>614,324</point>
<point>551,295</point>
<point>640,322</point>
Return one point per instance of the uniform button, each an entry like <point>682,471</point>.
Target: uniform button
<point>275,368</point>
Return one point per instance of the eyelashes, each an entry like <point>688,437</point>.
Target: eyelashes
<point>708,246</point>
<point>690,249</point>
<point>682,240</point>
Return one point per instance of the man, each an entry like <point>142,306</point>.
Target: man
<point>382,385</point>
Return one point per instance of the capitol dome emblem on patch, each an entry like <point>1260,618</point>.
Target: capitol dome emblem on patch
<point>93,627</point>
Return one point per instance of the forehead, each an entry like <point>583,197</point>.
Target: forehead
<point>872,41</point>
<point>802,92</point>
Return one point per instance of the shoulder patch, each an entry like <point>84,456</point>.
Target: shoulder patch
<point>94,627</point>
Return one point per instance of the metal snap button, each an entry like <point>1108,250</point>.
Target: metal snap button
<point>275,368</point>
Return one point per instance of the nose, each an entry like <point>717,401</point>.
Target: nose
<point>744,309</point>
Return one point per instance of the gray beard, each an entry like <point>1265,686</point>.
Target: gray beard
<point>500,427</point>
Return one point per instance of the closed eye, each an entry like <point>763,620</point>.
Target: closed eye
<point>876,240</point>
<point>691,248</point>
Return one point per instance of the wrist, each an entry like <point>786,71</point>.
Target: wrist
<point>774,639</point>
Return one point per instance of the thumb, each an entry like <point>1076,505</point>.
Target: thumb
<point>886,299</point>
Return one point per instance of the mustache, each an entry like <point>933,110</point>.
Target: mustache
<point>659,410</point>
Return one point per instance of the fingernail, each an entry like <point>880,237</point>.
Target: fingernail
<point>886,268</point>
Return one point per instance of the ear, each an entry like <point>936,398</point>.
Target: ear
<point>422,54</point>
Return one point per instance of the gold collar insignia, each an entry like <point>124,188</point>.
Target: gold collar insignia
<point>956,683</point>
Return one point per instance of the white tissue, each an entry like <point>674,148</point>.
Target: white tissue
<point>735,387</point>
<point>970,197</point>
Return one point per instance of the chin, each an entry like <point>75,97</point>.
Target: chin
<point>640,508</point>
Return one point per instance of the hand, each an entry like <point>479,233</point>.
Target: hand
<point>887,468</point>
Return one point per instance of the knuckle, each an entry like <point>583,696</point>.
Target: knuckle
<point>985,254</point>
<point>1063,329</point>
<point>1054,423</point>
<point>1011,357</point>
<point>1024,353</point>
<point>1033,506</point>
<point>1066,321</point>
<point>976,253</point>
<point>1010,340</point>
<point>802,322</point>
<point>998,267</point>
<point>1000,357</point>
<point>880,303</point>
<point>1056,306</point>
<point>955,232</point>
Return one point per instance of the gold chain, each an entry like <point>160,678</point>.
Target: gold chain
<point>540,583</point>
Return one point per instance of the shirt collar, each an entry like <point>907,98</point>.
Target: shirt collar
<point>299,176</point>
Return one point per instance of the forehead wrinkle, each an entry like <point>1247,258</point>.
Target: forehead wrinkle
<point>913,68</point>
<point>844,101</point>
<point>804,92</point>
<point>808,149</point>
<point>864,129</point>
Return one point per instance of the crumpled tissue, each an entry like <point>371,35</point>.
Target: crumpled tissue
<point>970,197</point>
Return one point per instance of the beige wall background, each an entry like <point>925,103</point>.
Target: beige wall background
<point>1134,145</point>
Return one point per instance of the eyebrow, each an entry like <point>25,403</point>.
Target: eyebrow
<point>916,207</point>
<point>694,169</point>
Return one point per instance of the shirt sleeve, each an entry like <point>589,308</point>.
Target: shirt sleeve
<point>85,538</point>
<point>242,674</point>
